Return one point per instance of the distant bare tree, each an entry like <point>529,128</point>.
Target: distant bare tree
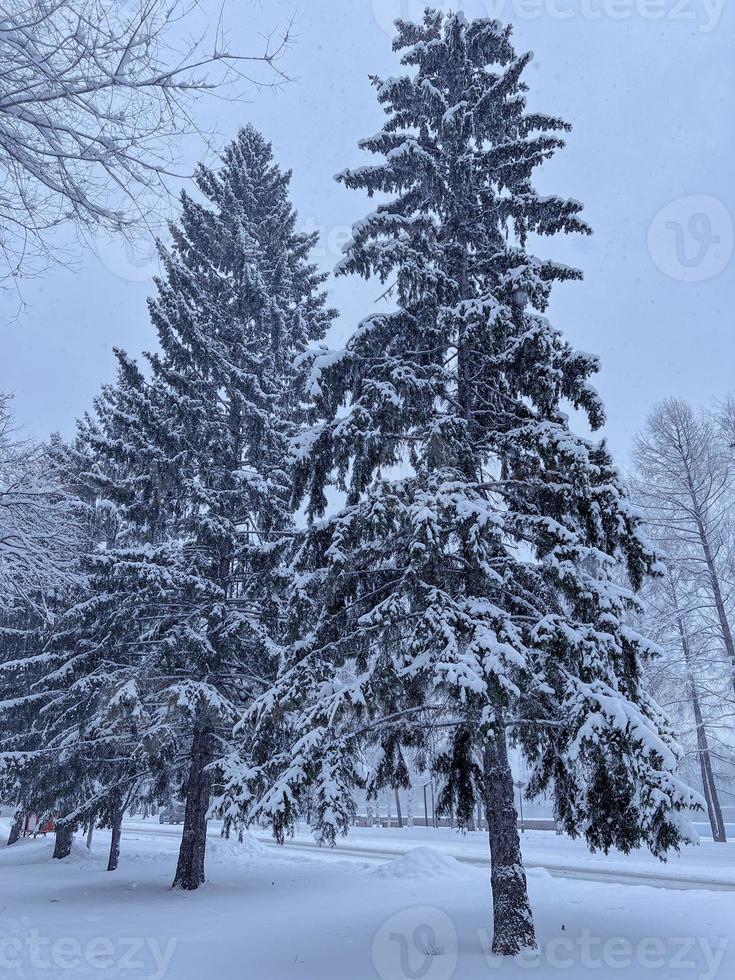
<point>686,684</point>
<point>684,484</point>
<point>40,532</point>
<point>93,97</point>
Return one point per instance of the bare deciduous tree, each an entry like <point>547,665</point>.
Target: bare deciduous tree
<point>685,484</point>
<point>687,684</point>
<point>39,526</point>
<point>93,96</point>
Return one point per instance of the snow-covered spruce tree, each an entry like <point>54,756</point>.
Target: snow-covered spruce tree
<point>178,634</point>
<point>67,754</point>
<point>42,524</point>
<point>240,303</point>
<point>22,636</point>
<point>466,585</point>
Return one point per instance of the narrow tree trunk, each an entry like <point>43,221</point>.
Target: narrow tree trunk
<point>90,835</point>
<point>117,819</point>
<point>513,929</point>
<point>190,868</point>
<point>63,842</point>
<point>15,829</point>
<point>399,815</point>
<point>714,810</point>
<point>720,605</point>
<point>713,575</point>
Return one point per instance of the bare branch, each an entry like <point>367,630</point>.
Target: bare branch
<point>94,98</point>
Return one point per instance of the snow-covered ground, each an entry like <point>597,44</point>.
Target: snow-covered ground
<point>388,905</point>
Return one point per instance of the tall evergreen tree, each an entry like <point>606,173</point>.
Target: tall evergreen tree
<point>181,625</point>
<point>464,592</point>
<point>240,303</point>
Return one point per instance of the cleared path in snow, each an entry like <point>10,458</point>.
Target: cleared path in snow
<point>614,875</point>
<point>380,846</point>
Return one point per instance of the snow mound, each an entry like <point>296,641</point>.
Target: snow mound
<point>39,850</point>
<point>232,851</point>
<point>537,873</point>
<point>423,862</point>
<point>28,850</point>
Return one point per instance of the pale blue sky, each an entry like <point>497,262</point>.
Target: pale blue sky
<point>648,86</point>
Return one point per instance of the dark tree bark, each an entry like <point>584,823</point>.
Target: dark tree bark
<point>15,829</point>
<point>399,815</point>
<point>722,616</point>
<point>190,868</point>
<point>513,929</point>
<point>711,795</point>
<point>64,840</point>
<point>117,819</point>
<point>714,810</point>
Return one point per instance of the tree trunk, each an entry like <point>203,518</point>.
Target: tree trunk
<point>513,929</point>
<point>63,842</point>
<point>714,810</point>
<point>399,815</point>
<point>190,868</point>
<point>90,835</point>
<point>15,829</point>
<point>714,578</point>
<point>117,819</point>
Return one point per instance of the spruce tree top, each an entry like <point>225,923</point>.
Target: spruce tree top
<point>239,303</point>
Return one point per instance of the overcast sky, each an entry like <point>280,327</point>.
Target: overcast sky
<point>648,86</point>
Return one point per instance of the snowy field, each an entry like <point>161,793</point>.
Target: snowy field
<point>388,904</point>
